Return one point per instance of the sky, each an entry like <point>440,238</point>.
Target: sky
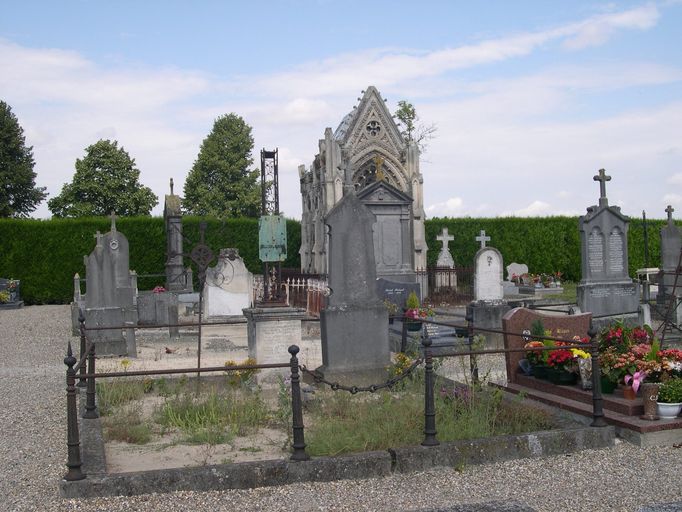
<point>530,98</point>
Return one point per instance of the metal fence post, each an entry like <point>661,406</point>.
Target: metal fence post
<point>73,438</point>
<point>429,404</point>
<point>298,445</point>
<point>597,400</point>
<point>90,406</point>
<point>81,328</point>
<point>473,360</point>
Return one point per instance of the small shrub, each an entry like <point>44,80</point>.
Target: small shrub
<point>112,394</point>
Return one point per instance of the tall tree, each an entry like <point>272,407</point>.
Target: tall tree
<point>412,129</point>
<point>221,182</point>
<point>18,194</point>
<point>106,180</point>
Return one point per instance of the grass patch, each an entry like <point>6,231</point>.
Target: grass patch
<point>342,424</point>
<point>216,416</point>
<point>127,426</point>
<point>115,393</point>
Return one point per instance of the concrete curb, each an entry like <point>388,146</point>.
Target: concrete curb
<point>246,475</point>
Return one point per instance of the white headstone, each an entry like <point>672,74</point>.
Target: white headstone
<point>228,286</point>
<point>445,259</point>
<point>488,275</point>
<point>517,269</point>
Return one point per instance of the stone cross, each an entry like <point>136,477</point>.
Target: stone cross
<point>482,238</point>
<point>602,178</point>
<point>171,186</point>
<point>669,210</point>
<point>445,237</point>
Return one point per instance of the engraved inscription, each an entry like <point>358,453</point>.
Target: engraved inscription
<point>599,292</point>
<point>616,252</point>
<point>595,252</point>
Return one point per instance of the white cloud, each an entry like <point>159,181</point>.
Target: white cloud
<point>673,199</point>
<point>453,207</point>
<point>675,179</point>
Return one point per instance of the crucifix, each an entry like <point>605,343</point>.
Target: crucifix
<point>378,165</point>
<point>445,237</point>
<point>602,178</point>
<point>482,238</point>
<point>669,210</point>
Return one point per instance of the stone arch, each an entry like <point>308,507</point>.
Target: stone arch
<point>364,170</point>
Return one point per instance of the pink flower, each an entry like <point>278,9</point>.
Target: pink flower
<point>636,379</point>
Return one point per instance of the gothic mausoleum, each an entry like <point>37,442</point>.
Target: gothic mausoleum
<point>367,156</point>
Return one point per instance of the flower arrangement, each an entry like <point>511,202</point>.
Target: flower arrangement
<point>636,380</point>
<point>391,307</point>
<point>414,309</point>
<point>12,285</point>
<point>671,392</point>
<point>535,356</point>
<point>4,296</point>
<point>237,377</point>
<point>159,289</point>
<point>561,359</point>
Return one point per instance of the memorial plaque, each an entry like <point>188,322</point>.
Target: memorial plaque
<point>272,238</point>
<point>595,252</point>
<point>616,252</point>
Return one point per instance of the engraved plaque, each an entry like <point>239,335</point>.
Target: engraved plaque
<point>595,252</point>
<point>616,252</point>
<point>390,243</point>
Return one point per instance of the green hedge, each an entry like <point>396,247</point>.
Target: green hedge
<point>45,254</point>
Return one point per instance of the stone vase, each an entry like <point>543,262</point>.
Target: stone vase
<point>585,369</point>
<point>649,398</point>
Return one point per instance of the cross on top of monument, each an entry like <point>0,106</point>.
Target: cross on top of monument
<point>669,210</point>
<point>445,237</point>
<point>602,178</point>
<point>171,186</point>
<point>482,238</point>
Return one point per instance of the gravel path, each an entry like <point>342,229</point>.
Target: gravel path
<point>33,453</point>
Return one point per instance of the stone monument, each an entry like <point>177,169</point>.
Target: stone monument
<point>109,297</point>
<point>487,272</point>
<point>669,288</point>
<point>228,287</point>
<point>446,277</point>
<point>176,277</point>
<point>606,290</point>
<point>354,325</point>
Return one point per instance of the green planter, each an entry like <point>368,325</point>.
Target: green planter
<point>414,325</point>
<point>540,371</point>
<point>561,377</point>
<point>608,386</point>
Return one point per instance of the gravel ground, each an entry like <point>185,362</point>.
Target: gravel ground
<point>33,453</point>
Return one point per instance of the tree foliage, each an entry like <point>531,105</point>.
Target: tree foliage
<point>412,129</point>
<point>18,194</point>
<point>221,182</point>
<point>106,180</point>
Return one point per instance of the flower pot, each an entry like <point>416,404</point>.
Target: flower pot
<point>668,411</point>
<point>561,377</point>
<point>629,393</point>
<point>608,386</point>
<point>540,371</point>
<point>585,368</point>
<point>414,325</point>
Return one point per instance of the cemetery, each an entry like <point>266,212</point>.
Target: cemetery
<point>368,360</point>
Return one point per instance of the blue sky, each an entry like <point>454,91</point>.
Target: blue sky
<point>530,98</point>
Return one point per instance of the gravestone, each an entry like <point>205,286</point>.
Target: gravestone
<point>396,292</point>
<point>487,272</point>
<point>514,269</point>
<point>391,238</point>
<point>176,276</point>
<point>671,247</point>
<point>354,325</point>
<point>606,289</point>
<point>445,278</point>
<point>228,287</point>
<point>12,289</point>
<point>518,320</point>
<point>109,297</point>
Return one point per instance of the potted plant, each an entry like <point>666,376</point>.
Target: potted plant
<point>669,401</point>
<point>413,313</point>
<point>562,366</point>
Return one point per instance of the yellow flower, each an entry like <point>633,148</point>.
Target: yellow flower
<point>580,353</point>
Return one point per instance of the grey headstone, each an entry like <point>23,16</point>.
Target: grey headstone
<point>395,291</point>
<point>671,247</point>
<point>606,289</point>
<point>354,325</point>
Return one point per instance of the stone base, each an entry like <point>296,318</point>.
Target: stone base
<point>616,299</point>
<point>12,305</point>
<point>364,377</point>
<point>532,290</point>
<point>355,341</point>
<point>109,342</point>
<point>489,316</point>
<point>270,332</point>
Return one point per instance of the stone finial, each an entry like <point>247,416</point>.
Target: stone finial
<point>482,238</point>
<point>171,186</point>
<point>113,221</point>
<point>602,178</point>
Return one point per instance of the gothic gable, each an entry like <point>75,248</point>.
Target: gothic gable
<point>382,192</point>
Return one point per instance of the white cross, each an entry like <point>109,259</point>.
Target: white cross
<point>482,238</point>
<point>445,237</point>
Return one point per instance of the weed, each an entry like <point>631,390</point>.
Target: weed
<point>111,394</point>
<point>127,426</point>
